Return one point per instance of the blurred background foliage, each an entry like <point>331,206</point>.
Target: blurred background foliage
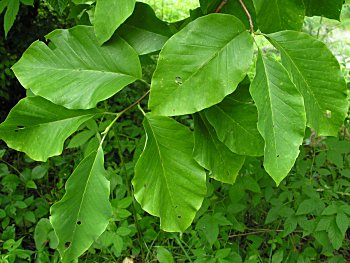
<point>306,219</point>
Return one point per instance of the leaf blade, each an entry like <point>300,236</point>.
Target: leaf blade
<point>168,183</point>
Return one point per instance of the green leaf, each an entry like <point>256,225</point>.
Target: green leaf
<point>164,256</point>
<point>198,66</point>
<point>10,15</point>
<point>109,15</point>
<point>39,128</point>
<point>144,31</point>
<point>342,221</point>
<point>58,5</point>
<point>210,227</point>
<point>327,8</point>
<point>168,183</point>
<point>278,15</point>
<point>3,5</point>
<point>212,154</point>
<point>281,116</point>
<point>335,235</point>
<point>83,213</point>
<point>28,2</point>
<point>317,75</point>
<point>306,207</point>
<point>39,172</point>
<point>74,71</point>
<point>234,120</point>
<point>290,225</point>
<point>41,233</point>
<point>80,138</point>
<point>235,8</point>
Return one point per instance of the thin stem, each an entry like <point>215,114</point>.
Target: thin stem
<point>319,28</point>
<point>119,114</point>
<point>14,168</point>
<point>218,9</point>
<point>249,17</point>
<point>182,248</point>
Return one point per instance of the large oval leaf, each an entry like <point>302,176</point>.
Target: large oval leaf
<point>282,118</point>
<point>83,213</point>
<point>200,65</point>
<point>74,71</point>
<point>39,128</point>
<point>109,15</point>
<point>212,154</point>
<point>144,31</point>
<point>277,15</point>
<point>317,75</point>
<point>168,182</point>
<point>235,120</point>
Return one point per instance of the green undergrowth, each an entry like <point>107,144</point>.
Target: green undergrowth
<point>305,219</point>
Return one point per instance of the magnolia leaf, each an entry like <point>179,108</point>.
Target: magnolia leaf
<point>234,120</point>
<point>327,8</point>
<point>235,8</point>
<point>279,15</point>
<point>198,66</point>
<point>144,31</point>
<point>317,75</point>
<point>74,71</point>
<point>83,213</point>
<point>212,154</point>
<point>282,117</point>
<point>39,128</point>
<point>109,15</point>
<point>168,183</point>
<point>10,15</point>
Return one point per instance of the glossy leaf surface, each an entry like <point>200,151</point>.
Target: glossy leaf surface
<point>279,15</point>
<point>168,183</point>
<point>282,119</point>
<point>109,15</point>
<point>317,75</point>
<point>234,120</point>
<point>83,213</point>
<point>39,128</point>
<point>327,8</point>
<point>222,164</point>
<point>198,66</point>
<point>144,31</point>
<point>74,71</point>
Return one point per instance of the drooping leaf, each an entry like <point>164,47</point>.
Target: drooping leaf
<point>278,15</point>
<point>168,183</point>
<point>235,8</point>
<point>83,213</point>
<point>144,31</point>
<point>212,154</point>
<point>74,71</point>
<point>58,5</point>
<point>109,15</point>
<point>235,122</point>
<point>199,66</point>
<point>10,15</point>
<point>317,75</point>
<point>327,8</point>
<point>282,117</point>
<point>39,128</point>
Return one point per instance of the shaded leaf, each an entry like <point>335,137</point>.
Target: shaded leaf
<point>81,73</point>
<point>83,213</point>
<point>235,8</point>
<point>58,5</point>
<point>168,183</point>
<point>235,122</point>
<point>342,221</point>
<point>279,15</point>
<point>317,75</point>
<point>335,235</point>
<point>164,256</point>
<point>281,116</point>
<point>212,154</point>
<point>327,8</point>
<point>10,15</point>
<point>144,31</point>
<point>198,66</point>
<point>109,15</point>
<point>39,128</point>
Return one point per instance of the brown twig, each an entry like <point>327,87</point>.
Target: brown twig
<point>249,17</point>
<point>218,9</point>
